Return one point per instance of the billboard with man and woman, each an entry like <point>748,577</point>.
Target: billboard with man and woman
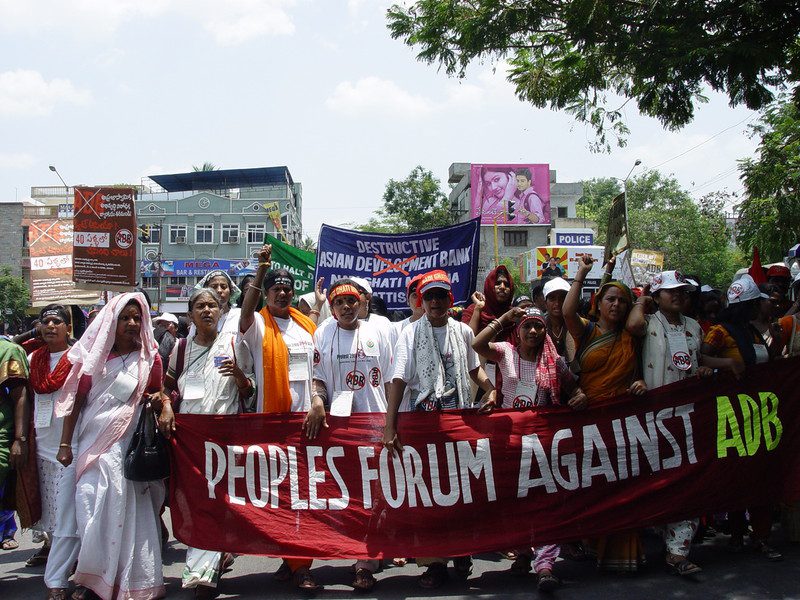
<point>510,194</point>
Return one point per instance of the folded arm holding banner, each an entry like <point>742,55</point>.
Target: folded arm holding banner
<point>251,484</point>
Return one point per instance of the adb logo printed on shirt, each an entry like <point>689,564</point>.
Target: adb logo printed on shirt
<point>681,360</point>
<point>355,380</point>
<point>375,377</point>
<point>522,402</point>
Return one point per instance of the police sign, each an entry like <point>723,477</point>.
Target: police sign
<point>574,238</point>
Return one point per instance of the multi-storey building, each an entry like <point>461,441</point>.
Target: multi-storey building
<point>512,240</point>
<point>190,223</point>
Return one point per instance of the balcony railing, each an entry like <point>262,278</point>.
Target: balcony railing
<point>39,212</point>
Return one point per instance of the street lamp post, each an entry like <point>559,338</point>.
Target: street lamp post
<point>66,187</point>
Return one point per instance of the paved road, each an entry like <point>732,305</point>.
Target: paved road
<point>725,576</point>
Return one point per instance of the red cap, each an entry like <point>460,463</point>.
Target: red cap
<point>779,271</point>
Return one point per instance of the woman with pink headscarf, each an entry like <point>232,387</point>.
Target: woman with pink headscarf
<point>115,365</point>
<point>534,375</point>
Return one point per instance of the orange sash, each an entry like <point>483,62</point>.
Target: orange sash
<point>275,361</point>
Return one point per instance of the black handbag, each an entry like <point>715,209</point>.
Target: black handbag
<point>147,458</point>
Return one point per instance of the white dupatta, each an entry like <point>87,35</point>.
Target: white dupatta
<point>88,357</point>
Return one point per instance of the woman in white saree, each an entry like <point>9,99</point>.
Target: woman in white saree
<point>215,377</point>
<point>115,364</point>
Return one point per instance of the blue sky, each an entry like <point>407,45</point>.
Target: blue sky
<point>110,91</point>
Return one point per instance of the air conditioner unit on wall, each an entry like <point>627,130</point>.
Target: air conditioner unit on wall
<point>151,254</point>
<point>180,239</point>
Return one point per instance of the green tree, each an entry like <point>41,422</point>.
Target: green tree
<point>521,287</point>
<point>308,244</point>
<point>206,166</point>
<point>662,216</point>
<point>769,216</point>
<point>414,204</point>
<point>596,199</point>
<point>590,57</point>
<point>14,297</point>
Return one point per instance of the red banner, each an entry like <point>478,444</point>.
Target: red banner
<point>469,483</point>
<point>104,240</point>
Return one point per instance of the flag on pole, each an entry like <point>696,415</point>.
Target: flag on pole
<point>300,263</point>
<point>756,270</point>
<point>617,232</point>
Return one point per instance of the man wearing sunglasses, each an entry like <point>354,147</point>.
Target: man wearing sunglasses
<point>434,359</point>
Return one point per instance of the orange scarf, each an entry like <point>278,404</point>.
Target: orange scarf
<point>275,361</point>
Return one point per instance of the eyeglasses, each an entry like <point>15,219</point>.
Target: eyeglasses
<point>435,294</point>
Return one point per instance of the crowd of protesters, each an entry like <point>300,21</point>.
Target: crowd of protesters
<point>69,406</point>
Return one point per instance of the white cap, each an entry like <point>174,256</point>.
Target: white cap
<point>669,280</point>
<point>744,289</point>
<point>555,284</point>
<point>363,283</point>
<point>707,288</point>
<point>168,317</point>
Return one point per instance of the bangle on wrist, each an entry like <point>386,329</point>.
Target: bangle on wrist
<point>65,446</point>
<point>313,311</point>
<point>264,263</point>
<point>578,281</point>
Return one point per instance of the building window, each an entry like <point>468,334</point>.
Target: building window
<point>562,212</point>
<point>149,234</point>
<point>155,234</point>
<point>204,233</point>
<point>177,234</point>
<point>177,280</point>
<point>230,233</point>
<point>255,233</point>
<point>150,282</point>
<point>515,238</point>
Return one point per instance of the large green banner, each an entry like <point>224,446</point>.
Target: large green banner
<point>299,263</point>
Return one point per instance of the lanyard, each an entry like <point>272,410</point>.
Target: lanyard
<point>198,357</point>
<point>443,355</point>
<point>661,321</point>
<point>339,351</point>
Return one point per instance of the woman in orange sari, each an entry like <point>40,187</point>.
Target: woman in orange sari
<point>608,360</point>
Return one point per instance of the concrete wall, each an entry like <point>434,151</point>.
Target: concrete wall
<point>11,239</point>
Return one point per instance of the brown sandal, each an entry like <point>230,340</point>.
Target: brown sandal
<point>40,558</point>
<point>84,593</point>
<point>10,544</point>
<point>57,593</point>
<point>304,580</point>
<point>364,581</point>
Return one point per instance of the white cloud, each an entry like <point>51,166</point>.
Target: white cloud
<point>229,22</point>
<point>109,58</point>
<point>97,15</point>
<point>27,93</point>
<point>237,21</point>
<point>378,96</point>
<point>384,97</point>
<point>16,160</point>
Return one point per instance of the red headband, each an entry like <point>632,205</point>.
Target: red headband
<point>343,290</point>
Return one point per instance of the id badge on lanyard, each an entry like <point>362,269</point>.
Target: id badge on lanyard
<point>298,367</point>
<point>679,350</point>
<point>123,386</point>
<point>342,403</point>
<point>43,410</point>
<point>194,385</point>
